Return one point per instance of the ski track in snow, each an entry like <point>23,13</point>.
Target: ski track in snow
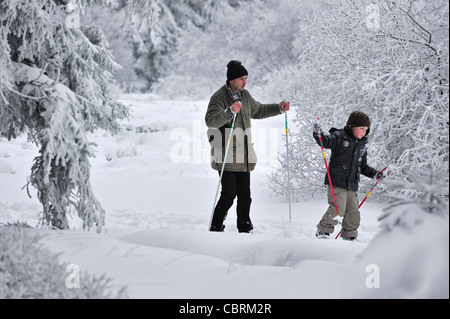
<point>260,250</point>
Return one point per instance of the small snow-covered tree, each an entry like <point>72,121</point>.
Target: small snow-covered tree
<point>388,59</point>
<point>53,86</point>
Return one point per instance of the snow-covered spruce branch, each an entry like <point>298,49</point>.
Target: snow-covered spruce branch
<point>27,97</point>
<point>30,271</point>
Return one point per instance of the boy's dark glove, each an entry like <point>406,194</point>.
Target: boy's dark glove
<point>380,176</point>
<point>316,128</point>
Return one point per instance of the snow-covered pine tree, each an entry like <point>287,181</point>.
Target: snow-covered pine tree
<point>53,86</point>
<point>389,60</point>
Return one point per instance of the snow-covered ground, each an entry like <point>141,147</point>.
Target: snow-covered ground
<point>156,185</point>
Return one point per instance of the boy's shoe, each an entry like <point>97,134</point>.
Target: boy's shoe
<point>349,238</point>
<point>321,234</point>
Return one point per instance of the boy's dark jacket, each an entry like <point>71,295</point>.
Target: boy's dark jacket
<point>348,158</point>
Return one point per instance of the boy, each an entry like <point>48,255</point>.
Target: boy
<point>348,160</point>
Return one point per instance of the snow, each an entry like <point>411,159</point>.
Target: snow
<point>156,185</point>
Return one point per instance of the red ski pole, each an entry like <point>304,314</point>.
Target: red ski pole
<point>378,180</point>
<point>328,171</point>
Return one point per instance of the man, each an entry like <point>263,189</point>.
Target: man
<point>231,102</point>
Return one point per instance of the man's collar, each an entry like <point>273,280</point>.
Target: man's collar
<point>234,96</point>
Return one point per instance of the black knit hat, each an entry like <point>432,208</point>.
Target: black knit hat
<point>235,70</point>
<point>357,119</point>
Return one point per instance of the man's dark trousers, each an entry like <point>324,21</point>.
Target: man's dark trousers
<point>234,184</point>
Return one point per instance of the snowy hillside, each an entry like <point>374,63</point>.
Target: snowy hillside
<point>157,188</point>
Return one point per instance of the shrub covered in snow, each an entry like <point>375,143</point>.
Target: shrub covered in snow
<point>395,70</point>
<point>30,271</point>
<point>412,249</point>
